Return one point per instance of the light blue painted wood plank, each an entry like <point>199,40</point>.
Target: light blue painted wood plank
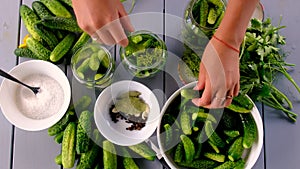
<point>282,137</point>
<point>9,18</point>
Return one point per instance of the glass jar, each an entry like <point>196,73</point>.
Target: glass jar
<point>201,19</point>
<point>145,55</point>
<point>93,65</point>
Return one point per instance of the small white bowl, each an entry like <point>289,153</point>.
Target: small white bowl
<point>116,132</point>
<point>250,156</point>
<point>10,89</point>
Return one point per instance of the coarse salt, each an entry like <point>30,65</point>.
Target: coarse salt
<point>45,103</point>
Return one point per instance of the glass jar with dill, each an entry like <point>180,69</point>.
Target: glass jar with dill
<point>145,55</point>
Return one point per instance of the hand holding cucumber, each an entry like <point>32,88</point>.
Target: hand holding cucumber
<point>105,20</point>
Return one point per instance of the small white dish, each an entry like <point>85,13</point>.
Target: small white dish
<point>9,91</point>
<point>116,132</point>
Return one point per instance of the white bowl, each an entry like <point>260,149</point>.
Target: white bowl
<point>116,132</point>
<point>250,156</point>
<point>9,91</point>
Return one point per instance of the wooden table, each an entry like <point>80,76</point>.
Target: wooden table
<point>36,150</point>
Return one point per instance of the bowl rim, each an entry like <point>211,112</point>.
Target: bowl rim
<point>257,146</point>
<point>153,123</point>
<point>46,122</point>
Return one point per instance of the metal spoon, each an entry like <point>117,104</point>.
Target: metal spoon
<point>35,90</point>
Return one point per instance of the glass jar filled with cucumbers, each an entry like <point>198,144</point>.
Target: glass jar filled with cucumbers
<point>145,55</point>
<point>201,19</point>
<point>93,65</point>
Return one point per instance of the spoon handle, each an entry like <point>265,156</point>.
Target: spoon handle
<point>10,77</point>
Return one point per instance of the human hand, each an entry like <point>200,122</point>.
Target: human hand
<point>104,20</point>
<point>218,75</point>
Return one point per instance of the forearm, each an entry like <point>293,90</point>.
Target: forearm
<point>236,19</point>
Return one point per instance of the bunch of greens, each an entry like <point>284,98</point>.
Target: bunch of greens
<point>261,59</point>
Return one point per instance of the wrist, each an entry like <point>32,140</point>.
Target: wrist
<point>226,44</point>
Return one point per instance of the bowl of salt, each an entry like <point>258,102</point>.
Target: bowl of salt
<point>35,112</point>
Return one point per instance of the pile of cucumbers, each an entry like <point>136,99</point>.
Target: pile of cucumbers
<point>83,147</point>
<point>53,31</point>
<point>196,137</point>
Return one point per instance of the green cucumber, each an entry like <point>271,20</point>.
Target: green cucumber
<point>67,24</point>
<point>226,165</point>
<point>215,156</point>
<point>236,149</point>
<point>212,135</point>
<point>178,155</point>
<point>38,49</point>
<point>58,159</point>
<point>94,62</point>
<point>232,133</point>
<point>29,19</point>
<point>143,150</point>
<point>25,52</point>
<point>168,134</point>
<point>83,133</point>
<point>47,35</point>
<point>67,2</point>
<point>57,8</point>
<point>89,159</point>
<point>128,162</point>
<point>109,155</point>
<point>199,164</point>
<point>68,146</point>
<point>189,148</point>
<point>241,104</point>
<point>61,124</point>
<point>59,137</point>
<point>40,9</point>
<point>82,40</point>
<point>62,48</point>
<point>83,103</point>
<point>185,122</point>
<point>250,130</point>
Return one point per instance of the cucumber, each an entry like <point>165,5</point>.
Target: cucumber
<point>83,133</point>
<point>232,133</point>
<point>185,122</point>
<point>128,162</point>
<point>212,135</point>
<point>40,9</point>
<point>213,146</point>
<point>168,134</point>
<point>94,62</point>
<point>236,149</point>
<point>109,155</point>
<point>68,146</point>
<point>67,24</point>
<point>47,35</point>
<point>62,48</point>
<point>240,164</point>
<point>226,165</point>
<point>29,19</point>
<point>83,103</point>
<point>82,40</point>
<point>143,150</point>
<point>250,130</point>
<point>82,68</point>
<point>25,52</point>
<point>59,137</point>
<point>203,12</point>
<point>88,159</point>
<point>38,49</point>
<point>57,8</point>
<point>67,2</point>
<point>241,104</point>
<point>61,124</point>
<point>215,156</point>
<point>199,164</point>
<point>178,155</point>
<point>212,16</point>
<point>58,159</point>
<point>189,148</point>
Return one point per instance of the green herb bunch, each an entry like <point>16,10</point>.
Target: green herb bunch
<point>261,59</point>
